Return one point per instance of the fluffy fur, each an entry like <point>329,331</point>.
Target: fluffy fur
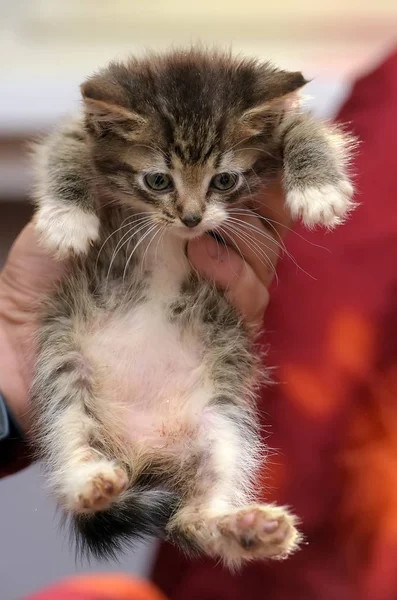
<point>144,393</point>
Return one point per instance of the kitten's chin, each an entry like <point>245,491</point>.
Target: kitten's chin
<point>189,234</point>
<point>206,226</point>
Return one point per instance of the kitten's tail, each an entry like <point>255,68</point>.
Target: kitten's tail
<point>143,511</point>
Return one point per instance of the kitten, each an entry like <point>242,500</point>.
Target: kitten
<point>144,392</point>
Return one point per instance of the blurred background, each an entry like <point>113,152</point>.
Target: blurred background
<point>47,48</point>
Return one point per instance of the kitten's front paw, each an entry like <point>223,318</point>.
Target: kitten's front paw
<point>95,486</point>
<point>327,205</point>
<point>66,230</point>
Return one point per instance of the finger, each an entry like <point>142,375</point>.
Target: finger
<point>269,203</point>
<point>227,270</point>
<point>256,243</point>
<point>29,272</point>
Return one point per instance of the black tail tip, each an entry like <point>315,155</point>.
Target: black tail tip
<point>141,514</point>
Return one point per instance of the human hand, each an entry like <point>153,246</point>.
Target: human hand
<point>245,268</point>
<point>27,276</point>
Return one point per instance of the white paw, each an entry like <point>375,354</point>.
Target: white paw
<point>258,531</point>
<point>66,230</point>
<point>94,486</point>
<point>327,205</point>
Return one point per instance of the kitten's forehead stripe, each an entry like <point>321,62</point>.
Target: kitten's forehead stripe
<point>194,146</point>
<point>192,96</point>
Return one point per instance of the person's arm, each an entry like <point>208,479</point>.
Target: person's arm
<point>28,274</point>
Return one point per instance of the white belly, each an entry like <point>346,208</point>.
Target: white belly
<point>150,372</point>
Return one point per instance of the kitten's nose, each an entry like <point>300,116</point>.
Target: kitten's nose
<point>191,220</point>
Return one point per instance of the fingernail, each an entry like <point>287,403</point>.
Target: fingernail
<point>215,249</point>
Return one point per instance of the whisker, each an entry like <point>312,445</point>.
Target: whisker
<point>131,238</point>
<point>217,244</point>
<point>280,244</point>
<point>261,247</point>
<point>154,148</point>
<point>251,213</point>
<point>254,172</point>
<point>147,248</point>
<point>236,247</point>
<point>219,230</point>
<point>224,230</point>
<point>257,250</point>
<point>129,235</point>
<point>254,247</point>
<point>133,226</point>
<point>236,226</point>
<point>136,246</point>
<point>258,150</point>
<point>258,231</point>
<point>122,226</point>
<point>246,183</point>
<point>241,149</point>
<point>159,240</point>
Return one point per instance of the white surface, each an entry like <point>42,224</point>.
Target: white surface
<point>52,99</point>
<point>61,37</point>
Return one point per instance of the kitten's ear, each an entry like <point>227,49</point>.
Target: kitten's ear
<point>106,112</point>
<point>282,93</point>
<point>281,84</point>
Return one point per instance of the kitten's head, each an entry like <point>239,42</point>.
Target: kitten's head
<point>187,134</point>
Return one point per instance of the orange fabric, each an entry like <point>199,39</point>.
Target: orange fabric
<point>119,587</point>
<point>101,587</point>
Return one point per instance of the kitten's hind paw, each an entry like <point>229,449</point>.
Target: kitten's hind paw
<point>95,486</point>
<point>328,205</point>
<point>257,532</point>
<point>65,231</point>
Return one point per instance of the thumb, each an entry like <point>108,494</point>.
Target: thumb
<point>227,269</point>
<point>29,272</point>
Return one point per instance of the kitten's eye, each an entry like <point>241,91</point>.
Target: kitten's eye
<point>158,182</point>
<point>224,182</point>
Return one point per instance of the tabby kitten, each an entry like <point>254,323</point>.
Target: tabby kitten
<point>144,391</point>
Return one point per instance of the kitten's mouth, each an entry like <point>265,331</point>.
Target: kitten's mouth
<point>190,234</point>
<point>207,226</point>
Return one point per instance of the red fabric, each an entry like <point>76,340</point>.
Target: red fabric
<point>333,417</point>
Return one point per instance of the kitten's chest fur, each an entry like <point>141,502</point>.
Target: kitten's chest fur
<point>154,335</point>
